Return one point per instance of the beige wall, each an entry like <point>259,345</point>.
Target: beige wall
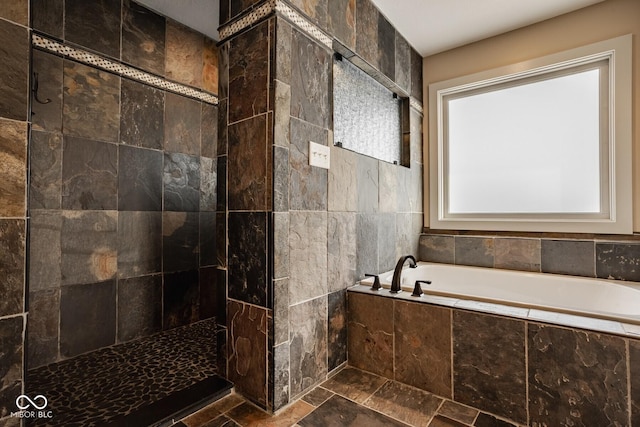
<point>602,21</point>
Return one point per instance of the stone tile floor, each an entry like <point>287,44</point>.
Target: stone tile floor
<point>350,398</point>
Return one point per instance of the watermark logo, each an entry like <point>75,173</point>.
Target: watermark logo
<point>32,408</point>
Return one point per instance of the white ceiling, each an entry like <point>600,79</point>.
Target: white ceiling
<point>433,26</point>
<point>201,15</point>
<point>430,26</point>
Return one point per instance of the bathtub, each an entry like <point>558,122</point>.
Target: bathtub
<point>538,296</point>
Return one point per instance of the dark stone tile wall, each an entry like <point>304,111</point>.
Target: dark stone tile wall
<point>14,131</point>
<point>524,373</point>
<point>605,257</point>
<point>324,229</point>
<point>123,185</point>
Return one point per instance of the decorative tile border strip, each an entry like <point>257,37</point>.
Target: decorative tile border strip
<point>303,24</point>
<point>120,69</point>
<point>247,20</point>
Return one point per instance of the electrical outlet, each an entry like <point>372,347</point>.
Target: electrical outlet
<point>319,155</point>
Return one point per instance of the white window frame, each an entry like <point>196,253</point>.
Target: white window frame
<point>616,217</point>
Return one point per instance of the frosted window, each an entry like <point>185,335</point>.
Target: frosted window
<point>366,115</point>
<point>533,148</point>
<point>541,145</point>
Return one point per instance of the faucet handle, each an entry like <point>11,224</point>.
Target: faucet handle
<point>376,281</point>
<point>417,290</point>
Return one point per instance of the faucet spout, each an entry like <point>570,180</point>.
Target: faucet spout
<point>396,282</point>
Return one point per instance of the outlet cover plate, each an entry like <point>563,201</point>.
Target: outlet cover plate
<point>319,155</point>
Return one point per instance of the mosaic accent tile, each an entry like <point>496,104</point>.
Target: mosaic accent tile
<point>89,174</point>
<point>308,348</point>
<point>120,69</point>
<point>142,115</point>
<point>311,67</point>
<point>139,179</point>
<point>337,329</point>
<point>307,184</point>
<point>568,257</point>
<point>517,254</point>
<point>47,16</point>
<point>95,25</point>
<point>94,307</point>
<point>342,255</point>
<point>248,73</point>
<point>139,307</point>
<point>143,38</point>
<point>248,257</point>
<point>139,243</point>
<point>13,167</point>
<point>12,263</point>
<point>437,248</point>
<point>47,116</point>
<point>247,179</point>
<point>433,325</point>
<point>180,241</point>
<point>593,367</point>
<point>307,255</point>
<point>476,251</point>
<point>181,179</point>
<point>11,367</point>
<point>180,299</point>
<point>618,261</point>
<point>188,357</point>
<point>44,250</point>
<point>89,246</point>
<point>247,350</point>
<point>91,103</point>
<point>182,125</point>
<point>14,73</point>
<point>242,6</point>
<point>370,338</point>
<point>489,364</point>
<point>42,335</point>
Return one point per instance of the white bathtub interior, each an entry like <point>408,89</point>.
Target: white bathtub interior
<point>597,304</point>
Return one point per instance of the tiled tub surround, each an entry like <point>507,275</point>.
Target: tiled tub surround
<point>522,371</point>
<point>299,235</point>
<point>118,384</point>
